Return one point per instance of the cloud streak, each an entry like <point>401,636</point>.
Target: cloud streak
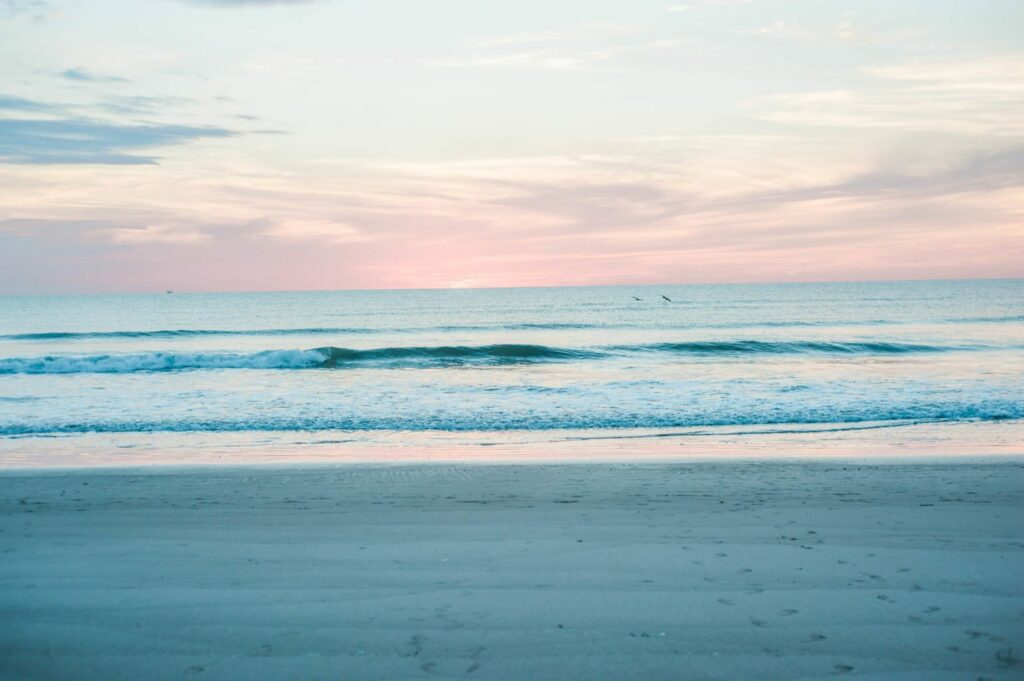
<point>969,97</point>
<point>85,76</point>
<point>39,10</point>
<point>552,220</point>
<point>79,140</point>
<point>697,4</point>
<point>248,3</point>
<point>575,48</point>
<point>158,234</point>
<point>12,103</point>
<point>326,231</point>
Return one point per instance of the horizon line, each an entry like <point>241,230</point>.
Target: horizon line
<point>506,288</point>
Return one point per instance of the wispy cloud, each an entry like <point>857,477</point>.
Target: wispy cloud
<point>542,60</point>
<point>695,4</point>
<point>160,234</point>
<point>85,76</point>
<point>846,30</point>
<point>248,3</point>
<point>328,231</point>
<point>141,104</point>
<point>841,32</point>
<point>38,10</point>
<point>12,103</point>
<point>34,132</point>
<point>561,35</point>
<point>557,219</point>
<point>574,48</point>
<point>79,140</point>
<point>971,97</point>
<point>1003,73</point>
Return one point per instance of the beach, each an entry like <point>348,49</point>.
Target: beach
<point>511,341</point>
<point>669,570</point>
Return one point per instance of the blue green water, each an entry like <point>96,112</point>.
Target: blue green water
<point>604,358</point>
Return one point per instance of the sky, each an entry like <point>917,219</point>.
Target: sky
<point>249,145</point>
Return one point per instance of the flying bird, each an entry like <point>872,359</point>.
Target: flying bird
<point>666,298</point>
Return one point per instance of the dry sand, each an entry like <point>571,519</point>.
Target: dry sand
<point>767,570</point>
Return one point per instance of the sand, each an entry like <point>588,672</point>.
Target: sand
<point>743,570</point>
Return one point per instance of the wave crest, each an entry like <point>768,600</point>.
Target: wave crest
<point>756,347</point>
<point>460,328</point>
<point>160,361</point>
<point>436,356</point>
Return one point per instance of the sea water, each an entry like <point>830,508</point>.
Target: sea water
<point>385,365</point>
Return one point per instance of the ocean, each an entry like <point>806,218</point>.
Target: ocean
<point>268,369</point>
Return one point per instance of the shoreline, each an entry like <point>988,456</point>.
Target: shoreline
<point>967,442</point>
<point>374,463</point>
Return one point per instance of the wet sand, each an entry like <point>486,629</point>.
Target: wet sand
<point>742,570</point>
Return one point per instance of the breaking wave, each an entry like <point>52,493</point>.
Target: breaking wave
<point>545,419</point>
<point>438,356</point>
<point>750,347</point>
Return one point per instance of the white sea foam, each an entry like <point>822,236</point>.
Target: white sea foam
<point>160,361</point>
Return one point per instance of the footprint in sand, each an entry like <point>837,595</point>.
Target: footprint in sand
<point>1007,658</point>
<point>416,643</point>
<point>474,657</point>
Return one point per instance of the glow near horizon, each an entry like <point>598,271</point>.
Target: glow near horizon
<point>228,145</point>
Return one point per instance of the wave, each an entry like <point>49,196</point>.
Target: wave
<point>752,347</point>
<point>317,358</point>
<point>438,356</point>
<point>160,361</point>
<point>458,328</point>
<point>179,333</point>
<point>507,353</point>
<point>470,420</point>
<point>988,320</point>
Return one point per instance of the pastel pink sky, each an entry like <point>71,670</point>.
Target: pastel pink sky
<point>326,145</point>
